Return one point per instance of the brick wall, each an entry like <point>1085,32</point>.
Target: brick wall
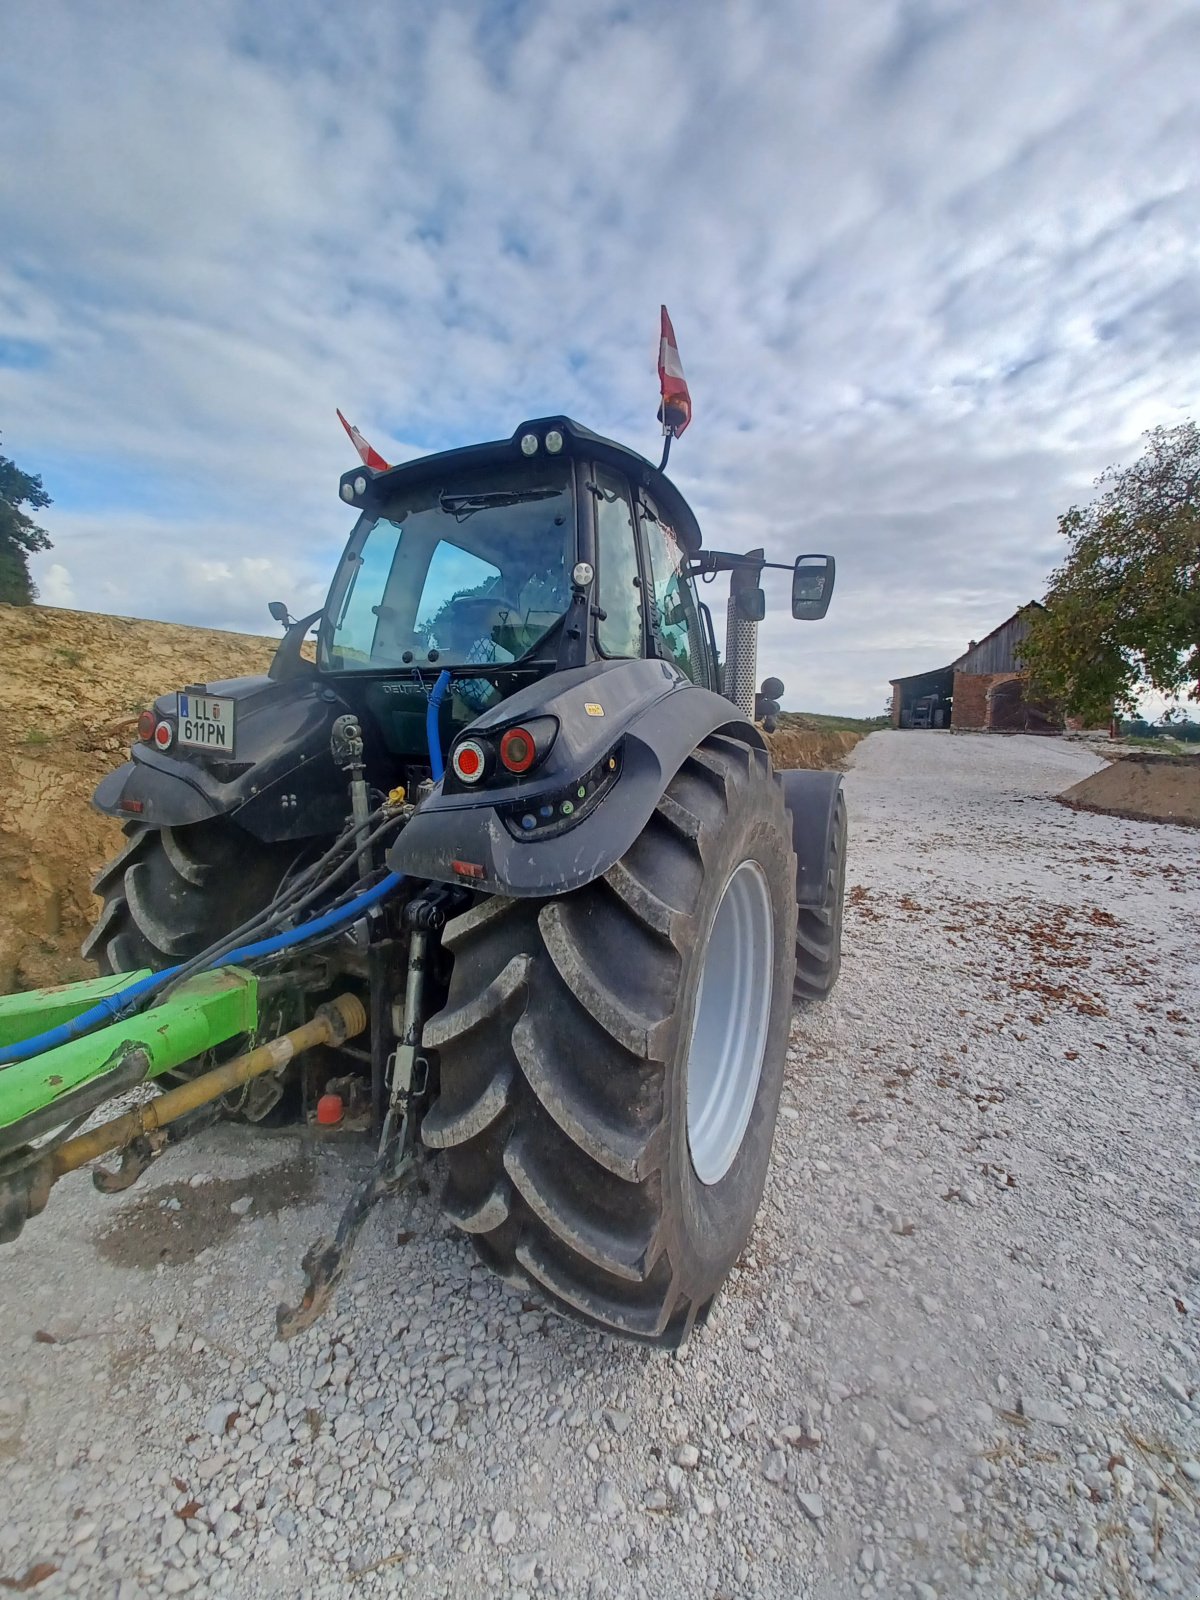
<point>970,700</point>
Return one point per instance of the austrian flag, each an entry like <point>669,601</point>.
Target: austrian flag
<point>676,410</point>
<point>367,453</point>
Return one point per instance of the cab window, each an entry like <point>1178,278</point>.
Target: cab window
<point>680,628</point>
<point>620,632</point>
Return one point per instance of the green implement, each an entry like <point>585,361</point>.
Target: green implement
<point>204,1011</point>
<point>38,1010</point>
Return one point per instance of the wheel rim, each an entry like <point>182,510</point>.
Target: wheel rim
<point>729,1031</point>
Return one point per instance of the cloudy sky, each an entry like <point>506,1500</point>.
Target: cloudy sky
<point>932,267</point>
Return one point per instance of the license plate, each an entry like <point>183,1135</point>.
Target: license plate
<point>205,723</point>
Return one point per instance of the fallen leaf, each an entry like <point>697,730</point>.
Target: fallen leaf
<point>180,1485</point>
<point>188,1510</point>
<point>42,1337</point>
<point>38,1573</point>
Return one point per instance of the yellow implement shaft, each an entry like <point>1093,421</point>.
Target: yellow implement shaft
<point>340,1019</point>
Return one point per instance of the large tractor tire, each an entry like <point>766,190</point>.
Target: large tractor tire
<point>819,930</point>
<point>610,1060</point>
<point>171,892</point>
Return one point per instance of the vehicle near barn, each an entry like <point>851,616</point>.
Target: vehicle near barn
<point>504,873</point>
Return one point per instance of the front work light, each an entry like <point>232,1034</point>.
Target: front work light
<point>360,485</point>
<point>554,441</point>
<point>529,444</point>
<point>347,492</point>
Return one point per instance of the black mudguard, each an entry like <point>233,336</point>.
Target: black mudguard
<point>280,782</point>
<point>644,714</point>
<point>812,798</point>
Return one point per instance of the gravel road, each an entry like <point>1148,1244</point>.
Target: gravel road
<point>959,1357</point>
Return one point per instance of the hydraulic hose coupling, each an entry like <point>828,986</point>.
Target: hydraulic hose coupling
<point>344,1017</point>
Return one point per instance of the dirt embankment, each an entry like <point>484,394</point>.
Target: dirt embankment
<point>811,747</point>
<point>1143,788</point>
<point>71,686</point>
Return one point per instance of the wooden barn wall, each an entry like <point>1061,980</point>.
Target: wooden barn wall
<point>998,653</point>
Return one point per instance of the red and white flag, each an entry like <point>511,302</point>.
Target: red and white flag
<point>676,410</point>
<point>367,453</point>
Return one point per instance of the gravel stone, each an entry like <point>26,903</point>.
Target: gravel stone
<point>435,1420</point>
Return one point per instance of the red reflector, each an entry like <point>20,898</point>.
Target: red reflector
<point>164,736</point>
<point>467,869</point>
<point>135,806</point>
<point>146,725</point>
<point>468,761</point>
<point>517,750</point>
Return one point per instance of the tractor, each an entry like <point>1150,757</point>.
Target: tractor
<point>510,839</point>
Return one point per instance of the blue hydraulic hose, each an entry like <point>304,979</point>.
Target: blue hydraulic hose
<point>432,737</point>
<point>104,1010</point>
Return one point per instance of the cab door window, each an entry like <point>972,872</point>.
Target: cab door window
<point>620,631</point>
<point>680,629</point>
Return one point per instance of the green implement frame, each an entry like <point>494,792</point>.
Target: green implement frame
<point>204,1011</point>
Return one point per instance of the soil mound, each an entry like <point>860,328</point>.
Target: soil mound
<point>1145,788</point>
<point>817,748</point>
<point>71,686</point>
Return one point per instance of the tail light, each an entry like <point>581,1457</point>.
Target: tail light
<point>518,749</point>
<point>146,725</point>
<point>493,756</point>
<point>469,761</point>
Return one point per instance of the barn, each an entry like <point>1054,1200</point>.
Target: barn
<point>983,689</point>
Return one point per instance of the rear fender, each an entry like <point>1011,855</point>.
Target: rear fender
<point>645,715</point>
<point>812,799</point>
<point>280,782</point>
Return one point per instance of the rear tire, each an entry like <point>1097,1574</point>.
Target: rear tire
<point>819,932</point>
<point>168,895</point>
<point>171,892</point>
<point>564,1051</point>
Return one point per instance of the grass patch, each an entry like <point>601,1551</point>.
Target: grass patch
<point>36,736</point>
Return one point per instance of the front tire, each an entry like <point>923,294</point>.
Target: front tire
<point>567,1051</point>
<point>819,930</point>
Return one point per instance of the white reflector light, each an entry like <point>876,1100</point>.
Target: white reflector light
<point>529,444</point>
<point>554,441</point>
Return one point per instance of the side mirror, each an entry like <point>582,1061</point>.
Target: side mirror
<point>750,604</point>
<point>279,611</point>
<point>812,587</point>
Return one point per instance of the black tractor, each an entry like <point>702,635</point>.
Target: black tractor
<point>592,900</point>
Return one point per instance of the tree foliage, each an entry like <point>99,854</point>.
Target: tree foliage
<point>1123,611</point>
<point>20,536</point>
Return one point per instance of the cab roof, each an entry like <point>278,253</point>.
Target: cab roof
<point>578,441</point>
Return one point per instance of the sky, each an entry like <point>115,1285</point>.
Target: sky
<point>932,267</point>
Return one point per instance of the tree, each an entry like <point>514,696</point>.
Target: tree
<point>20,536</point>
<point>1123,611</point>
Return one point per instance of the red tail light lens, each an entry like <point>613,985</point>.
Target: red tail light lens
<point>518,750</point>
<point>469,760</point>
<point>146,725</point>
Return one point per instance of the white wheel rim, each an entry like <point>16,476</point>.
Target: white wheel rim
<point>729,1028</point>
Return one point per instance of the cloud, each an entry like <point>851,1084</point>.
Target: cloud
<point>932,266</point>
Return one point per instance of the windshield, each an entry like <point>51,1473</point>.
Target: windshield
<point>473,572</point>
